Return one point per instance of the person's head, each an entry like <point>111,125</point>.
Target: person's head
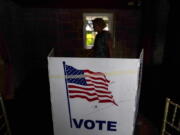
<point>98,24</point>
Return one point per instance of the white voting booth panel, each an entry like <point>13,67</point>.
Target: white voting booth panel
<point>94,96</point>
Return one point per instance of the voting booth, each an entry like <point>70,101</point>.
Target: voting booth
<point>94,96</point>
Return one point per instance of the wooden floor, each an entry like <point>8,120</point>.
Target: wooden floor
<point>30,112</point>
<point>25,119</point>
<point>145,127</point>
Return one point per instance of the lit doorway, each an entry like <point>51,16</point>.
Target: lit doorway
<point>88,31</point>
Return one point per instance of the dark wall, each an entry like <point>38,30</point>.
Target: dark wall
<point>172,38</point>
<point>64,4</point>
<point>8,28</point>
<point>32,32</point>
<point>171,56</point>
<point>160,33</point>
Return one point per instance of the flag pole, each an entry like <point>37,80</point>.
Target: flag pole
<point>69,108</point>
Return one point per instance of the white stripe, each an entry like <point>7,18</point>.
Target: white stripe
<point>83,94</point>
<point>96,76</point>
<point>81,86</point>
<point>96,81</point>
<point>96,84</point>
<point>103,94</point>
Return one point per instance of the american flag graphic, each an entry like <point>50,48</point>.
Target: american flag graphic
<point>88,85</point>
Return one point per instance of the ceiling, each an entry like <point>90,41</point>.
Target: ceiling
<point>107,4</point>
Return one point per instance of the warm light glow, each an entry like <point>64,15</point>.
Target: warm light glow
<point>89,33</point>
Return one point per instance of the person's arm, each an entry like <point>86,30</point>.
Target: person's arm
<point>110,44</point>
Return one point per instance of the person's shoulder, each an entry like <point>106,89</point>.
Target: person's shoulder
<point>107,34</point>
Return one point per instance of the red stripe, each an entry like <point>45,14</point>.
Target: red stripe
<point>107,101</point>
<point>105,96</point>
<point>94,73</point>
<point>97,82</point>
<point>84,97</point>
<point>107,92</point>
<point>97,78</point>
<point>89,89</point>
<point>93,99</point>
<point>90,94</point>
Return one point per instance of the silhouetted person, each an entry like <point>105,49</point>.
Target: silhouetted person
<point>103,40</point>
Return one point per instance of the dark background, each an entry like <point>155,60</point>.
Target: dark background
<point>31,28</point>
